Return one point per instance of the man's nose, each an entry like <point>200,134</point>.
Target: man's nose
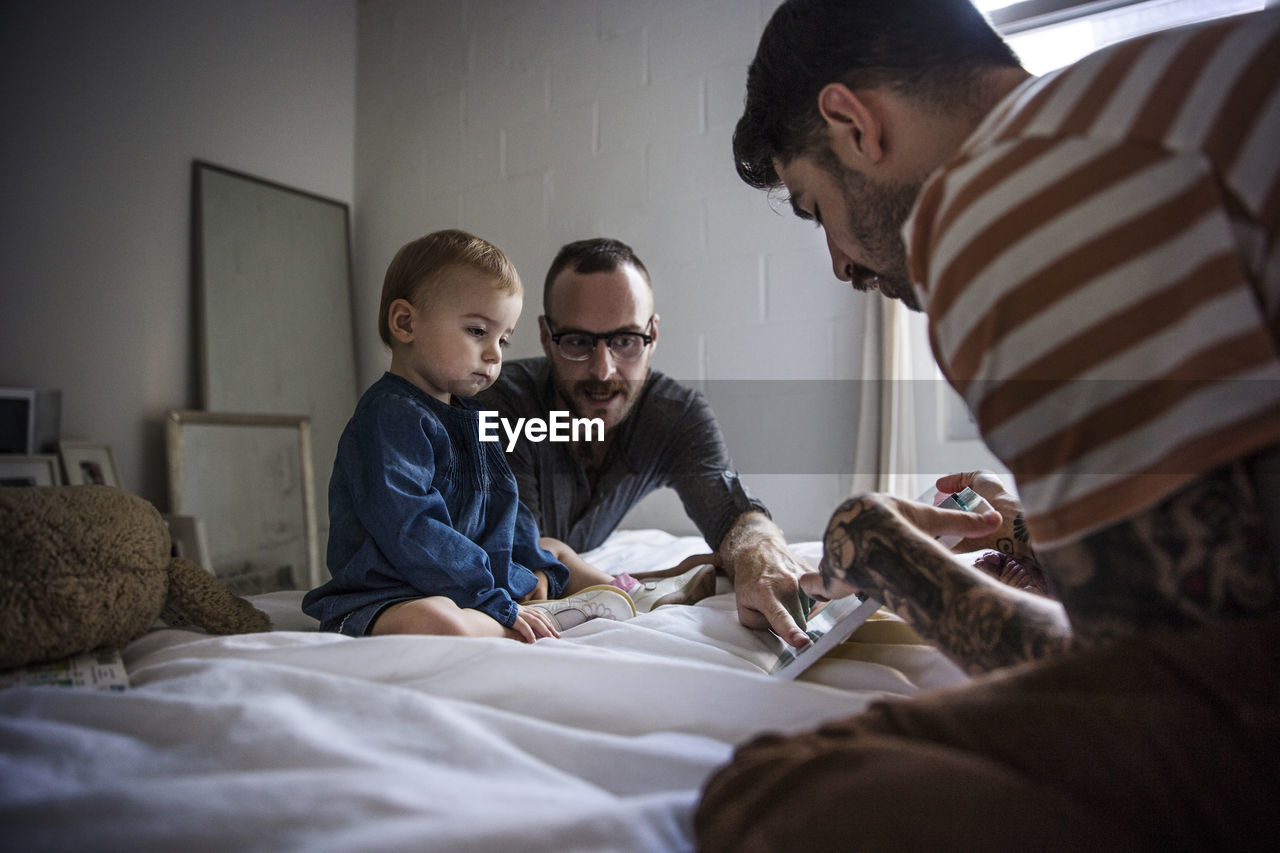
<point>841,264</point>
<point>601,361</point>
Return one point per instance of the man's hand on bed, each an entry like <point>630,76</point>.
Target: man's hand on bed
<point>766,578</point>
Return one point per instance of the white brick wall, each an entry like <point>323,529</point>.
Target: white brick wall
<point>537,122</point>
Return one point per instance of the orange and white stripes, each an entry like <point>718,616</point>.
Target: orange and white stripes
<point>1101,271</point>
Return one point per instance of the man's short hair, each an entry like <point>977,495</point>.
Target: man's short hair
<point>599,254</point>
<point>930,50</point>
<point>419,263</point>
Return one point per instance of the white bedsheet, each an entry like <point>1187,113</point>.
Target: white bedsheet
<point>296,740</point>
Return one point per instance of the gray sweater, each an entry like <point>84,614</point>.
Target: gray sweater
<point>670,438</point>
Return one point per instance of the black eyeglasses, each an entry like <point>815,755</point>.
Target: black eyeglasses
<point>577,345</point>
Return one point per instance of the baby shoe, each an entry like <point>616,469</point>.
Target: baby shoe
<point>595,602</point>
<point>685,588</point>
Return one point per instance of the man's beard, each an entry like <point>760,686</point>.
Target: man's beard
<point>576,395</point>
<point>877,213</point>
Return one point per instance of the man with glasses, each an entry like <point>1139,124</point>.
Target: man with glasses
<point>598,331</point>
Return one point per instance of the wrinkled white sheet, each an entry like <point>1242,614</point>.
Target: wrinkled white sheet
<point>295,740</point>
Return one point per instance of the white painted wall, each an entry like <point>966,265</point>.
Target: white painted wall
<point>536,123</point>
<point>105,105</point>
<point>531,122</point>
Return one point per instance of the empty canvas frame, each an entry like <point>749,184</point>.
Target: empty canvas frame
<point>248,477</point>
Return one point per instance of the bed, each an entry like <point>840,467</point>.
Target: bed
<point>297,740</point>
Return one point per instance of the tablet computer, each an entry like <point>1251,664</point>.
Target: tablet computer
<point>827,628</point>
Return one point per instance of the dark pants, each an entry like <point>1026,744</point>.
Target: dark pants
<point>1168,742</point>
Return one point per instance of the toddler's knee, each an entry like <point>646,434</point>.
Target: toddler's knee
<point>442,617</point>
<point>435,615</point>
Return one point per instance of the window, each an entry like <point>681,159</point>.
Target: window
<point>1048,34</point>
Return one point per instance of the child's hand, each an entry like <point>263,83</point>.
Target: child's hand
<point>533,623</point>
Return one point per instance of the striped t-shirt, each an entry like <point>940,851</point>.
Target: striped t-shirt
<point>1101,272</point>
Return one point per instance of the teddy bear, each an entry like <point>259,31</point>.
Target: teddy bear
<point>85,567</point>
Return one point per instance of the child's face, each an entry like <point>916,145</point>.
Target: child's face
<point>455,345</point>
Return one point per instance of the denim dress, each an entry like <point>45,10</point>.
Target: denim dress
<point>419,506</point>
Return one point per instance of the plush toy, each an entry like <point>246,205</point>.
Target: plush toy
<point>83,567</point>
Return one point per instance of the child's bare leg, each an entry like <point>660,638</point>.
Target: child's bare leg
<point>440,616</point>
<point>581,573</point>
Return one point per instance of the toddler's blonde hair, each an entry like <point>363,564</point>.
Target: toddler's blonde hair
<point>418,264</point>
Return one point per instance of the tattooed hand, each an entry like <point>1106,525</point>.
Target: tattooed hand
<point>887,525</point>
<point>886,548</point>
<point>1012,537</point>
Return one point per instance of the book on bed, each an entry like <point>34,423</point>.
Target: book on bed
<point>101,669</point>
<point>827,628</point>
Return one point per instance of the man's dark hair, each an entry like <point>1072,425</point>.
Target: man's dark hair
<point>930,50</point>
<point>599,254</point>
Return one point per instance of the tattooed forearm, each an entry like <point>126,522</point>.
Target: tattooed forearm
<point>975,620</point>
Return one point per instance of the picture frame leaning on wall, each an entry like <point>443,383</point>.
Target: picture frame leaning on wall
<point>248,477</point>
<point>87,463</point>
<point>24,470</point>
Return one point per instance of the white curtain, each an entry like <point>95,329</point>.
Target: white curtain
<point>886,440</point>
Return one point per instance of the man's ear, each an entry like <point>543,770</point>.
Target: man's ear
<point>656,318</point>
<point>544,335</point>
<point>856,130</point>
<point>400,320</point>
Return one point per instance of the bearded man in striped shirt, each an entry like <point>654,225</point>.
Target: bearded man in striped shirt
<point>1097,254</point>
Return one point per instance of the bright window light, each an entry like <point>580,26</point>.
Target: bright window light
<point>1046,48</point>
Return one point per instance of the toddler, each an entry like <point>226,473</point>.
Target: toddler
<point>427,534</point>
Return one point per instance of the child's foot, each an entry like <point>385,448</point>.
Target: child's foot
<point>595,602</point>
<point>685,588</point>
